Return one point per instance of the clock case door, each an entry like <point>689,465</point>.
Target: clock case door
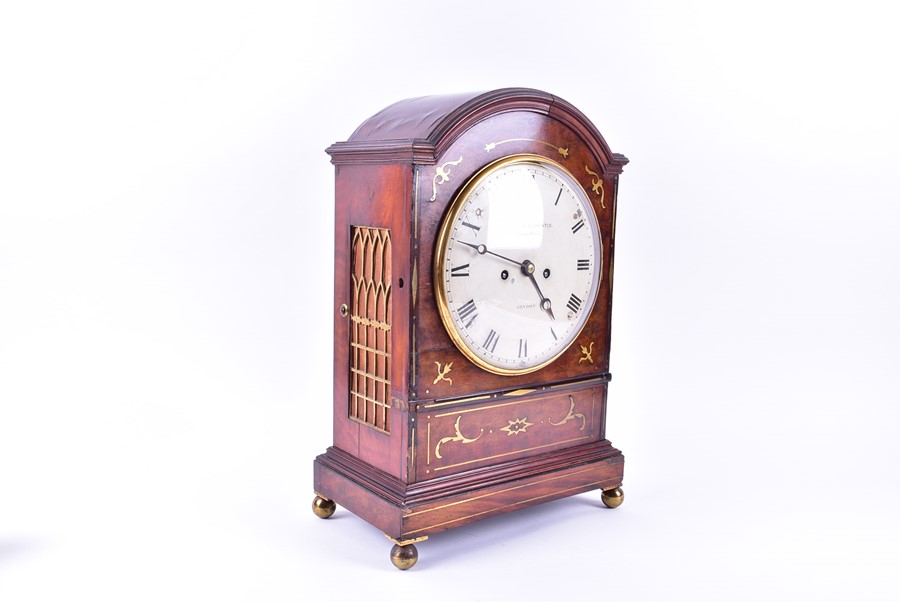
<point>425,440</point>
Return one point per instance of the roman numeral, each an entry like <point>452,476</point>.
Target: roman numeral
<point>578,226</point>
<point>467,309</point>
<point>463,270</point>
<point>523,347</point>
<point>490,343</point>
<point>473,226</point>
<point>557,197</point>
<point>584,264</point>
<point>554,334</point>
<point>574,303</point>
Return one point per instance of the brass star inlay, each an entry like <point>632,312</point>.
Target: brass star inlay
<point>519,425</point>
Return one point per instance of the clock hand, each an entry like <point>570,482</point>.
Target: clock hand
<point>528,270</point>
<point>482,249</point>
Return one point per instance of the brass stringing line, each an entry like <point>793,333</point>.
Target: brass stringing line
<point>478,497</point>
<point>412,452</point>
<point>499,405</point>
<point>519,503</point>
<point>510,452</point>
<point>456,401</point>
<point>413,281</point>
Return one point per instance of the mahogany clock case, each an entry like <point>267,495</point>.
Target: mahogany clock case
<point>424,439</point>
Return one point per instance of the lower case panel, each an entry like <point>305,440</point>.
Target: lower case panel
<point>409,512</point>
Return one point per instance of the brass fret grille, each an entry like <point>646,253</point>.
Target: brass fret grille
<point>370,327</point>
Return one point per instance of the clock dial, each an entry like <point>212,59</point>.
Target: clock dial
<point>518,264</point>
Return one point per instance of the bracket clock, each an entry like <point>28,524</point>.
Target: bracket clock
<point>474,241</point>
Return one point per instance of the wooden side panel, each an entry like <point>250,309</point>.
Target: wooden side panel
<point>370,346</point>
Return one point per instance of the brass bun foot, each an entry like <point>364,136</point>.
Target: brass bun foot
<point>613,498</point>
<point>404,557</point>
<point>323,507</point>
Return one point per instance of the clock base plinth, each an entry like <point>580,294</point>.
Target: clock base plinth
<point>411,512</point>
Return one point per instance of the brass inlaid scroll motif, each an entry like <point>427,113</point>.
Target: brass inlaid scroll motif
<point>457,438</point>
<point>442,373</point>
<point>572,415</point>
<point>596,184</point>
<point>563,151</point>
<point>587,353</point>
<point>441,175</point>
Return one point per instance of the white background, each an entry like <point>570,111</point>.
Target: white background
<point>165,297</point>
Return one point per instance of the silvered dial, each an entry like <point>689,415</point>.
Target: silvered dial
<point>518,265</point>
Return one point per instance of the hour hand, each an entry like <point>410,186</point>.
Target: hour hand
<point>482,249</point>
<point>546,304</point>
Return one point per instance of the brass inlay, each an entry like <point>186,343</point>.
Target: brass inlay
<point>589,381</point>
<point>509,430</point>
<point>518,392</point>
<point>370,326</point>
<point>584,486</point>
<point>587,353</point>
<point>558,492</point>
<point>596,184</point>
<point>441,175</point>
<point>515,451</point>
<point>367,322</point>
<point>572,415</point>
<point>493,493</point>
<point>442,373</point>
<point>496,405</point>
<point>519,425</point>
<point>458,438</point>
<point>406,542</point>
<point>563,151</point>
<point>434,404</point>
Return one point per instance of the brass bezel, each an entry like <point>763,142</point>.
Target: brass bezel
<point>440,254</point>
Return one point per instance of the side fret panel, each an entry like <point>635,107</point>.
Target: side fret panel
<point>370,328</point>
